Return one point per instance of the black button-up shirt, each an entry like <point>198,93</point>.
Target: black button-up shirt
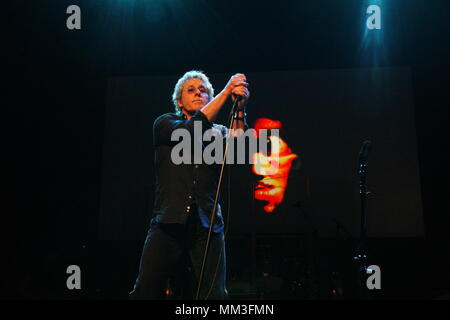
<point>181,188</point>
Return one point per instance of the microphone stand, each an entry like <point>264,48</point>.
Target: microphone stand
<point>361,252</point>
<point>213,211</point>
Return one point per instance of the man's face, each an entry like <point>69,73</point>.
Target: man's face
<point>194,96</point>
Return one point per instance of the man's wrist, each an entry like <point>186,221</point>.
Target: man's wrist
<point>240,115</point>
<point>226,92</point>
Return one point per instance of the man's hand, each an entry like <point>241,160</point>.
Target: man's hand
<point>237,86</point>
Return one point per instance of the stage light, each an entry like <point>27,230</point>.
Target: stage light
<point>374,20</point>
<point>373,48</point>
<point>155,11</point>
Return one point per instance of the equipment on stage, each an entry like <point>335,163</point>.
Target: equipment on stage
<point>361,256</point>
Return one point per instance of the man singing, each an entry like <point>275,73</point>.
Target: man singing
<point>185,194</point>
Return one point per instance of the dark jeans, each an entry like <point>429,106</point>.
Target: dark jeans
<point>175,251</point>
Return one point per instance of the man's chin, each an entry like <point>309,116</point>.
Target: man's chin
<point>195,109</point>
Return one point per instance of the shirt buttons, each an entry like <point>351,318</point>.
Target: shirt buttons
<point>195,182</point>
<point>189,196</point>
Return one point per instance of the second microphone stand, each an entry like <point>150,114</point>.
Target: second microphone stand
<point>361,256</point>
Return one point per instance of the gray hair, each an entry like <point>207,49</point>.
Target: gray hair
<point>193,74</point>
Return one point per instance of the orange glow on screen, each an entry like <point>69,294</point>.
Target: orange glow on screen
<point>274,167</point>
<point>265,123</point>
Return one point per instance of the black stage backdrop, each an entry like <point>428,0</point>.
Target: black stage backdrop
<point>84,101</point>
<point>326,115</point>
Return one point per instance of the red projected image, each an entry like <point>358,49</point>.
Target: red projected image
<point>274,167</point>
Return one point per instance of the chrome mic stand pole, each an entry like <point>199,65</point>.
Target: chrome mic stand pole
<point>361,254</point>
<point>213,212</point>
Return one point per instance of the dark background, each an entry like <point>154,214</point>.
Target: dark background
<point>325,117</point>
<point>55,93</point>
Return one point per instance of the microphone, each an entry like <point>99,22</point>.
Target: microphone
<point>237,98</point>
<point>364,152</point>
